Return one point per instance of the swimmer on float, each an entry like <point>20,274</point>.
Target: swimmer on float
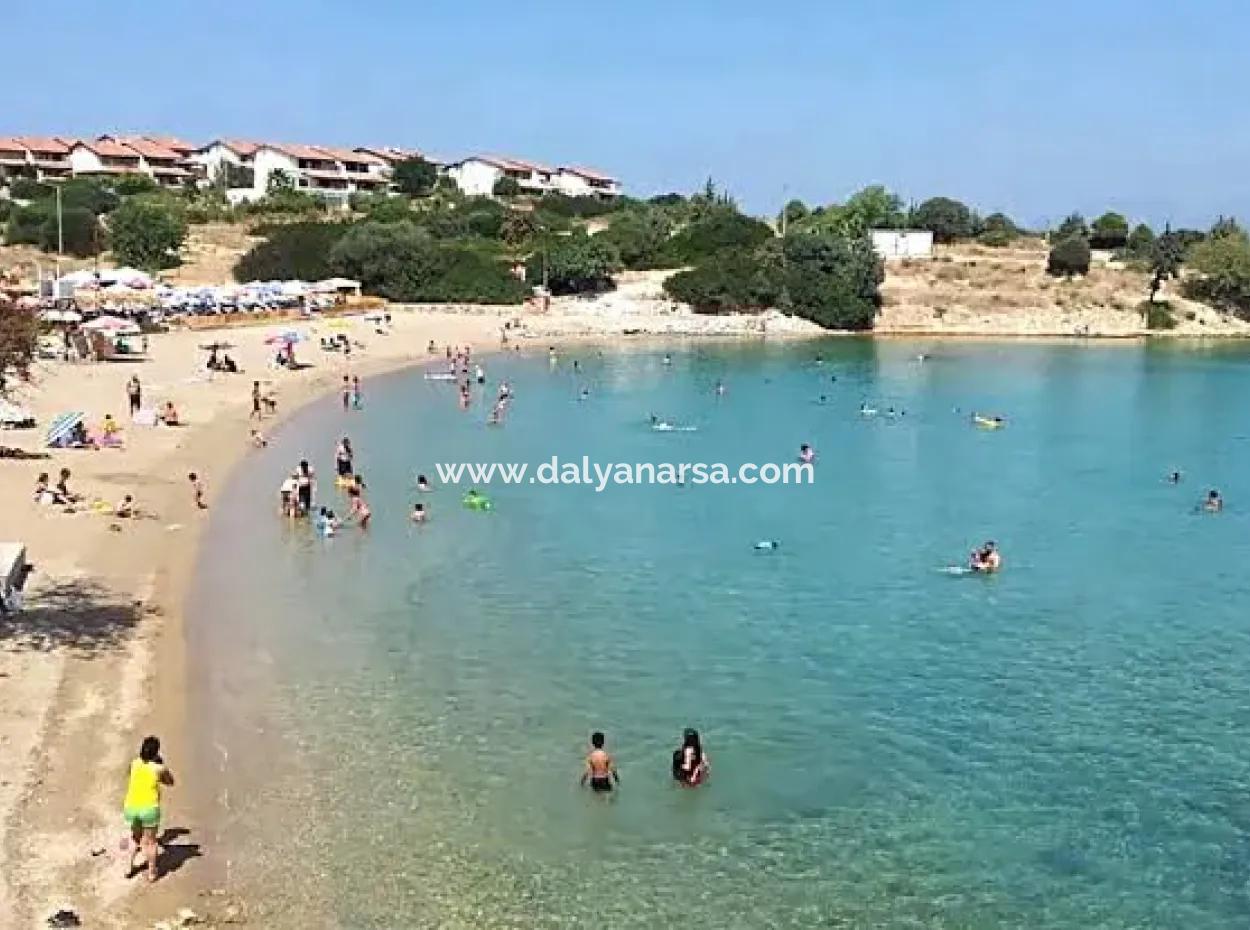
<point>767,545</point>
<point>987,560</point>
<point>1214,503</point>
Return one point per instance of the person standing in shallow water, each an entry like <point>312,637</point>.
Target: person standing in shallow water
<point>600,771</point>
<point>691,765</point>
<point>142,806</point>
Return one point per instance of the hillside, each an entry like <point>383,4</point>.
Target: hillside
<point>975,290</point>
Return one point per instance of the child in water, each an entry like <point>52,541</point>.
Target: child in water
<point>600,771</point>
<point>806,455</point>
<point>418,513</point>
<point>423,484</point>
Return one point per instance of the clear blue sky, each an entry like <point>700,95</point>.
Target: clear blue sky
<point>1033,107</point>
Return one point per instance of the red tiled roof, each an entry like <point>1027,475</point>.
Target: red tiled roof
<point>588,173</point>
<point>389,153</point>
<point>298,150</point>
<point>513,164</point>
<point>9,144</point>
<point>172,142</point>
<point>149,149</point>
<point>46,144</point>
<point>345,155</point>
<point>107,148</point>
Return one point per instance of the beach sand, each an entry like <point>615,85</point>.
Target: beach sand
<point>94,660</point>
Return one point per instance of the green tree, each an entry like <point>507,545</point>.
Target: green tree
<point>1110,231</point>
<point>230,176</point>
<point>731,281</point>
<point>792,212</point>
<point>640,236</point>
<point>28,189</point>
<point>576,264</point>
<point>833,280</point>
<point>94,194</point>
<point>79,232</point>
<point>947,219</point>
<point>147,232</point>
<point>518,226</point>
<point>874,207</point>
<point>1073,225</point>
<point>1068,257</point>
<point>19,337</point>
<point>719,228</point>
<point>1000,222</point>
<point>130,184</point>
<point>26,223</point>
<point>1225,226</point>
<point>392,260</point>
<point>298,251</point>
<point>506,187</point>
<point>1166,257</point>
<point>1221,267</point>
<point>279,181</point>
<point>415,177</point>
<point>1140,241</point>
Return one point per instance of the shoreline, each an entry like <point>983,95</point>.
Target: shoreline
<point>85,693</point>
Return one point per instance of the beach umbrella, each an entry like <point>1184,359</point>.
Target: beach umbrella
<point>62,425</point>
<point>112,324</point>
<point>60,316</point>
<point>288,337</point>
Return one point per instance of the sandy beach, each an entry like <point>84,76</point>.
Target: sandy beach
<point>94,658</point>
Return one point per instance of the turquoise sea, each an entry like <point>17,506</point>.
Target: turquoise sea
<point>393,722</point>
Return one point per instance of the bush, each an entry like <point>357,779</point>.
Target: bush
<point>1110,231</point>
<point>400,261</point>
<point>6,209</point>
<point>484,217</point>
<point>1221,277</point>
<point>127,185</point>
<point>1157,314</point>
<point>28,189</point>
<point>1073,225</point>
<point>79,232</point>
<point>147,232</point>
<point>1000,222</point>
<point>640,236</point>
<point>415,177</point>
<point>577,264</point>
<point>719,229</point>
<point>834,281</point>
<point>1068,257</point>
<point>947,219</point>
<point>506,187</point>
<point>581,207</point>
<point>1140,241</point>
<point>381,208</point>
<point>996,238</point>
<point>729,282</point>
<point>94,194</point>
<point>26,223</point>
<point>294,250</point>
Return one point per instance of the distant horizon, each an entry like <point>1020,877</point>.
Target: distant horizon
<point>1036,113</point>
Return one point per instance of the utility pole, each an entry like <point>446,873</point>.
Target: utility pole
<point>60,238</point>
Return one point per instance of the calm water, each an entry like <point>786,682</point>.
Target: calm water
<point>402,714</point>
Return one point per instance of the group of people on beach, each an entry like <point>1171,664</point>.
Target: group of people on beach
<point>690,768</point>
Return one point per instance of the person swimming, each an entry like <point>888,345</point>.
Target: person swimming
<point>767,545</point>
<point>326,524</point>
<point>807,455</point>
<point>584,395</point>
<point>668,359</point>
<point>479,374</point>
<point>691,765</point>
<point>418,512</point>
<point>423,484</point>
<point>720,388</point>
<point>987,560</point>
<point>1214,503</point>
<point>866,411</point>
<point>600,772</point>
<point>1174,478</point>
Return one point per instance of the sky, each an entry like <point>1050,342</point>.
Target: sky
<point>1034,107</point>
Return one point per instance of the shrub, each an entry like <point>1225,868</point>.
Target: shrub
<point>996,238</point>
<point>577,264</point>
<point>719,229</point>
<point>1222,273</point>
<point>1139,241</point>
<point>147,232</point>
<point>730,281</point>
<point>1072,225</point>
<point>834,281</point>
<point>640,236</point>
<point>506,187</point>
<point>1000,222</point>
<point>94,194</point>
<point>26,223</point>
<point>381,208</point>
<point>471,276</point>
<point>294,250</point>
<point>1110,231</point>
<point>1068,257</point>
<point>130,184</point>
<point>79,232</point>
<point>582,206</point>
<point>415,177</point>
<point>28,189</point>
<point>1157,314</point>
<point>947,219</point>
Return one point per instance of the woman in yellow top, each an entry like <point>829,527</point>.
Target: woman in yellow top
<point>142,807</point>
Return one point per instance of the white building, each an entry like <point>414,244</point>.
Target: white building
<point>586,182</point>
<point>164,162</point>
<point>902,243</point>
<point>40,157</point>
<point>478,175</point>
<point>103,156</point>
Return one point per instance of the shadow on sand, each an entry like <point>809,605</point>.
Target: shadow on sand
<point>80,615</point>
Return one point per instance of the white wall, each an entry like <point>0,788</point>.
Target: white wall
<point>266,161</point>
<point>574,185</point>
<point>82,159</point>
<point>212,157</point>
<point>475,178</point>
<point>902,243</point>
